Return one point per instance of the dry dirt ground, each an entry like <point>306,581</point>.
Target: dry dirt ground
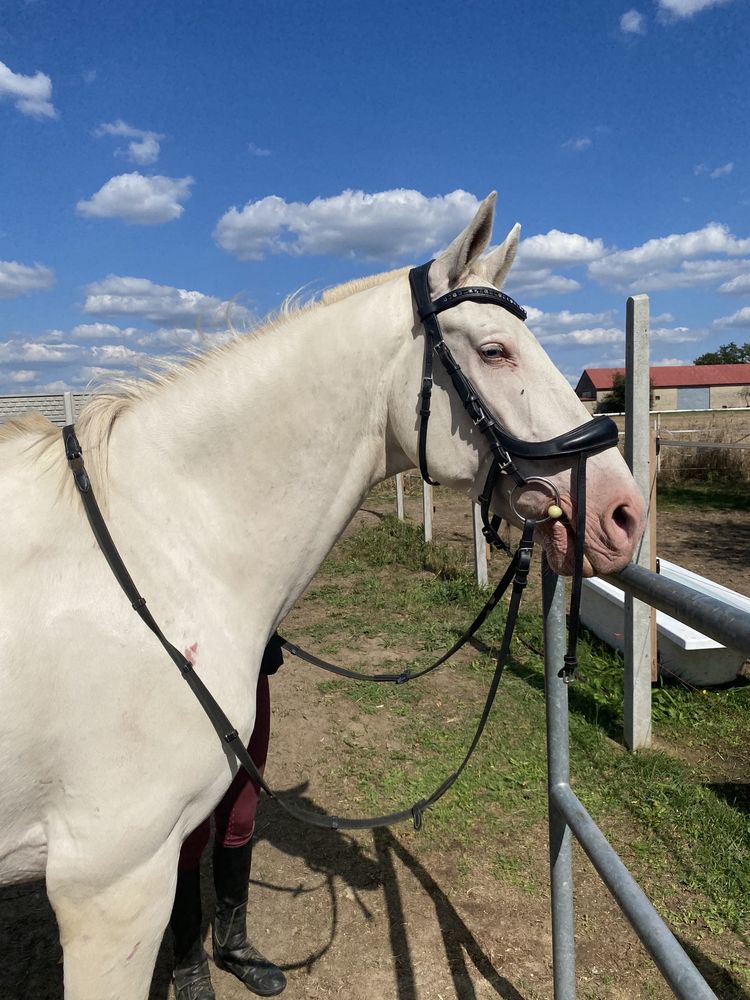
<point>377,916</point>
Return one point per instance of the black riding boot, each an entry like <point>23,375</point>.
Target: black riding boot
<point>191,978</point>
<point>232,951</point>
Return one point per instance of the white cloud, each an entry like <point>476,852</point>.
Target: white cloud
<point>714,172</point>
<point>540,281</point>
<point>578,145</point>
<point>676,334</point>
<point>665,362</point>
<point>20,279</point>
<point>595,335</point>
<point>616,335</point>
<point>691,274</point>
<point>549,323</point>
<point>90,375</point>
<point>70,363</point>
<point>94,331</point>
<point>556,247</point>
<point>144,147</point>
<point>162,304</point>
<point>721,171</point>
<point>257,150</point>
<point>530,275</point>
<point>387,225</point>
<point>34,351</point>
<point>144,201</point>
<point>182,337</point>
<point>649,266</point>
<point>633,22</point>
<point>739,319</point>
<point>739,285</point>
<point>56,385</point>
<point>605,359</point>
<point>30,94</point>
<point>115,354</point>
<point>678,9</point>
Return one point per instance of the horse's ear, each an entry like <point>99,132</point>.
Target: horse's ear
<point>498,262</point>
<point>456,259</point>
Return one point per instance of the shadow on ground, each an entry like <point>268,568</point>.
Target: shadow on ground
<point>30,951</point>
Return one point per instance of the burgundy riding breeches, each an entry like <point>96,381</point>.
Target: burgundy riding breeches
<point>234,817</point>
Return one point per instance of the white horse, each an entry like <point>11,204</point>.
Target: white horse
<point>224,484</point>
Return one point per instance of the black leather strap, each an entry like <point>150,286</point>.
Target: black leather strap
<point>587,439</point>
<point>409,675</point>
<point>594,436</point>
<point>434,343</point>
<point>425,398</point>
<point>479,293</point>
<point>224,728</point>
<point>570,659</point>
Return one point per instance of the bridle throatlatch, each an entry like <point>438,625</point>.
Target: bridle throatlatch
<point>577,444</point>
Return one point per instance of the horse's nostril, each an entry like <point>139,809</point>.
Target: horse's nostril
<point>622,518</point>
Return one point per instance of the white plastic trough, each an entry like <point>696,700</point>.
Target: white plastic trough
<point>684,652</point>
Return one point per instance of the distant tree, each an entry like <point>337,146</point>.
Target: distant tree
<point>727,354</point>
<point>614,402</point>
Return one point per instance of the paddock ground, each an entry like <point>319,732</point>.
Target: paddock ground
<point>396,915</point>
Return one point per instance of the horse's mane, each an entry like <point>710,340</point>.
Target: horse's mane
<point>104,406</point>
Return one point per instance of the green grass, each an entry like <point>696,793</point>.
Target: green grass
<point>686,837</point>
<point>704,496</point>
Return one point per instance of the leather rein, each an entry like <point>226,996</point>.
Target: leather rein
<point>594,436</point>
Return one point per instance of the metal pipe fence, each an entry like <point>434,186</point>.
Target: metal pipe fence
<point>567,815</point>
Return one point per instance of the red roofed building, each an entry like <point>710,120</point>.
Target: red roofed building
<point>676,387</point>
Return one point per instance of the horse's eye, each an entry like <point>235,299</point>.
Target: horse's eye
<point>492,352</point>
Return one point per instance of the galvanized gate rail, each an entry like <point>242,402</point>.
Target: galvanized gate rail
<point>567,815</point>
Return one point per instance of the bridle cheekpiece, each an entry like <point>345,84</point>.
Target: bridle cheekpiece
<point>577,444</point>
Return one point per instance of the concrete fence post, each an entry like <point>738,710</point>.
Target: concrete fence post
<point>400,495</point>
<point>480,547</point>
<point>640,631</point>
<point>427,510</point>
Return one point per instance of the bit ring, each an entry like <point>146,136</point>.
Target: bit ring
<point>539,480</point>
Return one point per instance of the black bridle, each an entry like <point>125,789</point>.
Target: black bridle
<point>577,444</point>
<point>580,442</point>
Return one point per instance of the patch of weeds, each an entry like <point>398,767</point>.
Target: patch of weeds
<point>689,844</point>
<point>708,718</point>
<point>729,495</point>
<point>393,542</point>
<point>510,870</point>
<point>694,836</point>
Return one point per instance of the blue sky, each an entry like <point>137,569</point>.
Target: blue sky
<point>161,160</point>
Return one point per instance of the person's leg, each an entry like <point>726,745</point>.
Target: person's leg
<point>191,976</point>
<point>235,821</point>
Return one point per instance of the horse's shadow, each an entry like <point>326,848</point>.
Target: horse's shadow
<point>345,865</point>
<point>30,950</point>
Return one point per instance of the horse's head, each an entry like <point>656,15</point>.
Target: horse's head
<point>527,398</point>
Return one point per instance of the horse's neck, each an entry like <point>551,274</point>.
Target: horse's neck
<point>259,457</point>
